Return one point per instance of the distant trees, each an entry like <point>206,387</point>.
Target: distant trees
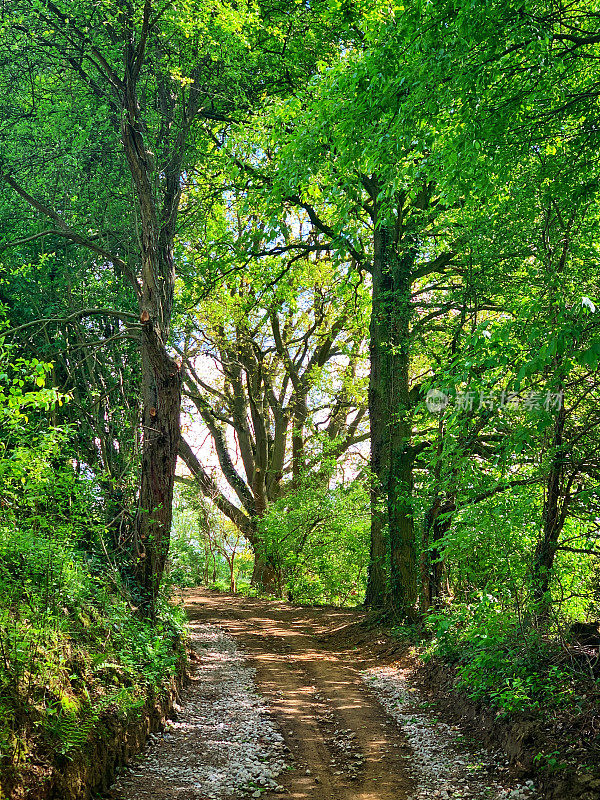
<point>276,373</point>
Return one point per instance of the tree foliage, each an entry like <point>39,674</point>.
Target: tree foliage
<point>362,244</point>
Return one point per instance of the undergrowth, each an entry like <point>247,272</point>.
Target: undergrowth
<point>74,654</point>
<point>509,664</point>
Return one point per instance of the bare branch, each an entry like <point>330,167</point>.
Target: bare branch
<point>127,316</point>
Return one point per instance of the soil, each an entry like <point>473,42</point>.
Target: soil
<point>307,668</point>
<point>319,678</point>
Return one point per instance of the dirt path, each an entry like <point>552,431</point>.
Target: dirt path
<point>307,668</point>
<point>308,704</point>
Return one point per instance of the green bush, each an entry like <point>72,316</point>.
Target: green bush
<point>72,648</point>
<point>318,539</point>
<point>510,665</point>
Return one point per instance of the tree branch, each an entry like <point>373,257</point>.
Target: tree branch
<point>86,312</point>
<point>210,489</point>
<point>69,233</point>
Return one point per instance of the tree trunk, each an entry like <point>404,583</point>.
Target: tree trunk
<point>206,564</point>
<point>389,411</point>
<point>160,378</point>
<point>403,551</point>
<point>552,521</point>
<point>377,581</point>
<point>299,416</point>
<point>428,582</point>
<point>161,387</point>
<point>265,576</point>
<point>432,564</point>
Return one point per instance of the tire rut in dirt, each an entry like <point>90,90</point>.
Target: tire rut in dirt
<point>344,745</point>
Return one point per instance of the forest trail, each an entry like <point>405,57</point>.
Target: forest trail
<point>313,706</point>
<point>309,672</point>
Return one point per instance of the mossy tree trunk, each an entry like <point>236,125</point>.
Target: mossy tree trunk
<point>392,525</point>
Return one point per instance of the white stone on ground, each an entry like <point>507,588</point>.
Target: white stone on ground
<point>440,764</point>
<point>222,740</point>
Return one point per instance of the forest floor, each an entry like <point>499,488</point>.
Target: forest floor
<point>295,702</point>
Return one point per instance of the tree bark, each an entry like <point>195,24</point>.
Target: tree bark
<point>403,551</point>
<point>265,576</point>
<point>161,386</point>
<point>553,517</point>
<point>377,583</point>
<point>432,563</point>
<point>389,411</point>
<point>160,379</point>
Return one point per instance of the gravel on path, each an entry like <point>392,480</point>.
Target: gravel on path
<point>222,741</point>
<point>442,763</point>
<point>225,743</point>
